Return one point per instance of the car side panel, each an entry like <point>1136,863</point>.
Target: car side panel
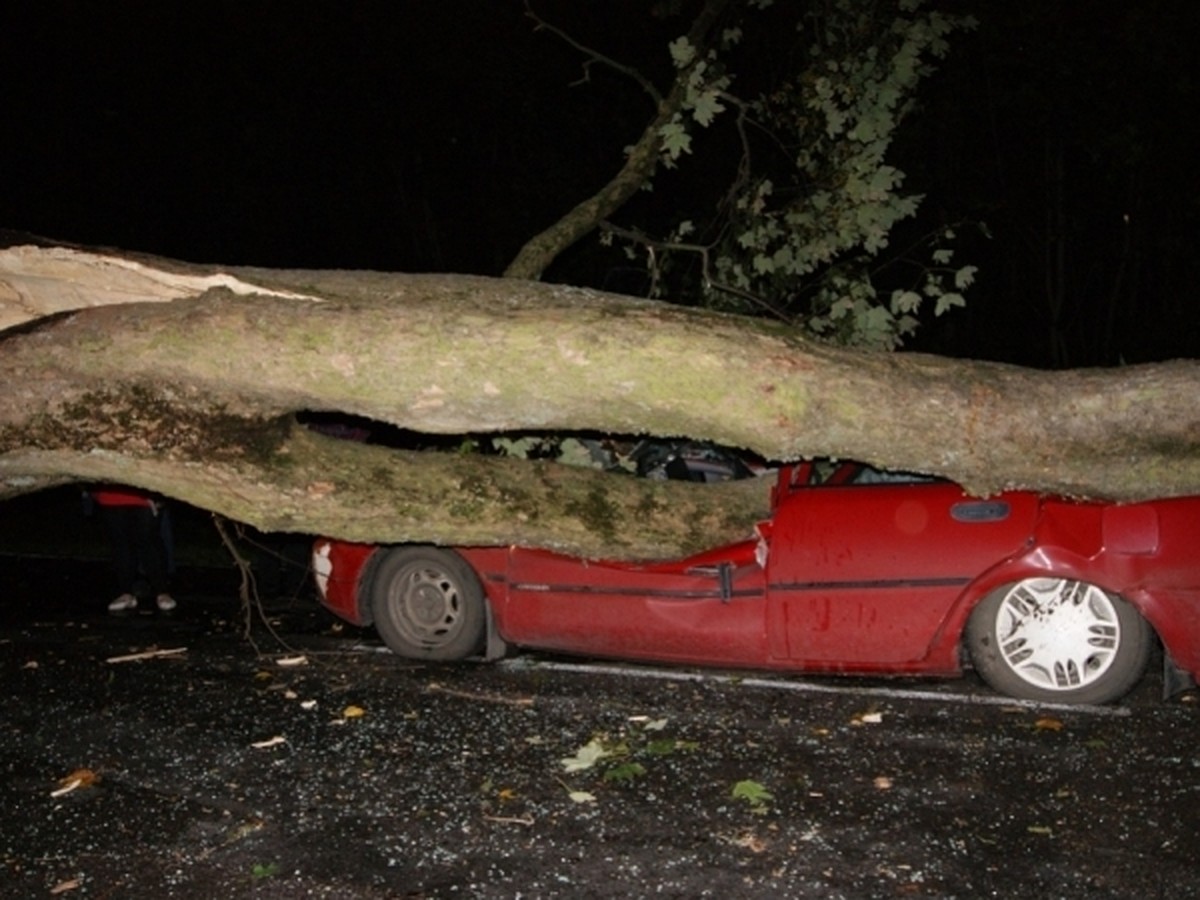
<point>671,613</point>
<point>860,578</point>
<point>1147,553</point>
<point>338,570</point>
<point>863,577</point>
<point>1153,551</point>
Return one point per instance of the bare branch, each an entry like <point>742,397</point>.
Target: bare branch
<point>640,163</point>
<point>594,57</point>
<point>703,251</point>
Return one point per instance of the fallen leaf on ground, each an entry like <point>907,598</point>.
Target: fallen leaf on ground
<point>288,661</point>
<point>883,783</point>
<point>63,886</point>
<point>625,772</point>
<point>867,718</point>
<point>269,742</point>
<point>753,793</point>
<point>353,712</point>
<point>77,779</point>
<point>746,839</point>
<point>1048,723</point>
<point>585,757</point>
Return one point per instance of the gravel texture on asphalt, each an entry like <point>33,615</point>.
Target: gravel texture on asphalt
<point>310,763</point>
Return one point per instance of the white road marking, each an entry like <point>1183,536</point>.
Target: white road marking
<point>805,687</point>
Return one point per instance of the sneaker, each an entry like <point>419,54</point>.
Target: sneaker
<point>123,603</point>
<point>165,602</point>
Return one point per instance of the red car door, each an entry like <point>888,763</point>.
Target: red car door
<point>861,577</point>
<point>700,610</point>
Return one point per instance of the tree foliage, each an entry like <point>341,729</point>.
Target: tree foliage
<point>808,243</point>
<point>800,225</point>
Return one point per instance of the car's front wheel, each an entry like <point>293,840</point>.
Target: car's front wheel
<point>427,603</point>
<point>1058,640</point>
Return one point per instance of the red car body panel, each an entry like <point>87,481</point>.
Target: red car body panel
<point>865,578</point>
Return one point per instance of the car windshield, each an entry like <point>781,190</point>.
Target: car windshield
<point>829,472</point>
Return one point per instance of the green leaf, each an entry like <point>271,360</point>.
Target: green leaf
<point>261,870</point>
<point>682,52</point>
<point>675,140</point>
<point>706,106</point>
<point>752,792</point>
<point>905,301</point>
<point>947,301</point>
<point>876,321</point>
<point>661,748</point>
<point>965,277</point>
<point>516,447</point>
<point>586,757</point>
<point>625,772</point>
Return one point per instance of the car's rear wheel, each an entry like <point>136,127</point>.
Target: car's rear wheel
<point>1058,640</point>
<point>427,604</point>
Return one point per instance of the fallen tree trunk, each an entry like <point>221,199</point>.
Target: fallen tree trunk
<point>193,396</point>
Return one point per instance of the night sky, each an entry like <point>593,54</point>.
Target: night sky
<point>439,135</point>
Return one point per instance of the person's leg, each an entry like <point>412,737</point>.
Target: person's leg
<point>119,525</point>
<point>152,555</point>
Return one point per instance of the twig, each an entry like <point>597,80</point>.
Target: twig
<point>248,589</point>
<point>702,250</point>
<point>595,57</point>
<point>510,820</point>
<point>67,788</point>
<point>146,654</point>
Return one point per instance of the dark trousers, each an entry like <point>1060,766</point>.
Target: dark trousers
<point>135,536</point>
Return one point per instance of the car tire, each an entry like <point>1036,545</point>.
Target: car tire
<point>1058,640</point>
<point>427,604</point>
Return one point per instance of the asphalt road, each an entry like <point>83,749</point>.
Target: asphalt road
<point>169,756</point>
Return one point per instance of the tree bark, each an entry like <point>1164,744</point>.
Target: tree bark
<point>194,397</point>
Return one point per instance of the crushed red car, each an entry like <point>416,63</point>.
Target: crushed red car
<point>1048,599</point>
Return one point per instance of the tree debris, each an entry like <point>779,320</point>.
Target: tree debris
<point>147,654</point>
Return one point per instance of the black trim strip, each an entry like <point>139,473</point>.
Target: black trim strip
<point>742,594</point>
<point>874,585</point>
<point>656,593</point>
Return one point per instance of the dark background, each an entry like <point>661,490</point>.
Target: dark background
<point>439,135</point>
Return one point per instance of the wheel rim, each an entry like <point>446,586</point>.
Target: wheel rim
<point>430,606</point>
<point>1056,634</point>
